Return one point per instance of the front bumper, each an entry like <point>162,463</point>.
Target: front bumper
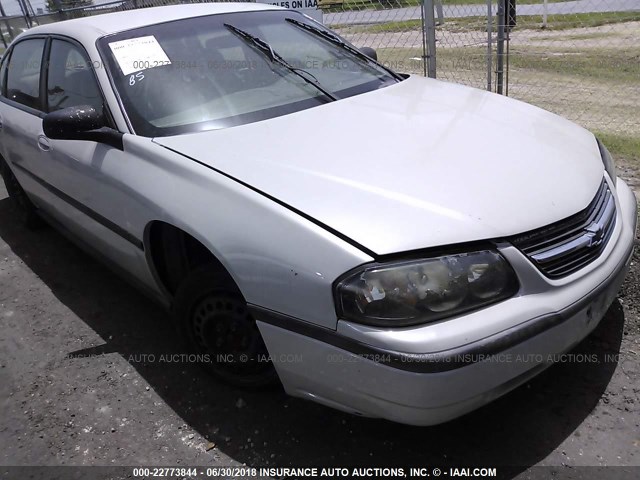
<point>407,376</point>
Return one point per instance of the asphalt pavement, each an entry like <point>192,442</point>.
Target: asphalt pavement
<point>89,376</point>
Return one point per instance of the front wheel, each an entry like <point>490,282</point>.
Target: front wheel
<point>214,319</point>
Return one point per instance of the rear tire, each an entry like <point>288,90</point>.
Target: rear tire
<point>24,209</point>
<point>215,322</point>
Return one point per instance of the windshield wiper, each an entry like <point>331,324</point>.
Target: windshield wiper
<point>268,51</point>
<point>341,43</point>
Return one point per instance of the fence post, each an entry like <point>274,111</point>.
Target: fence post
<point>489,43</point>
<point>25,13</point>
<point>545,9</point>
<point>500,48</point>
<point>440,12</point>
<point>6,23</point>
<point>429,38</point>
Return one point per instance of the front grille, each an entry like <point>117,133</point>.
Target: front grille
<point>566,246</point>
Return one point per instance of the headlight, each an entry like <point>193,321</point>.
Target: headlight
<point>607,159</point>
<point>421,291</point>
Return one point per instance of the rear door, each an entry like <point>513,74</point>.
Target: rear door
<point>21,112</point>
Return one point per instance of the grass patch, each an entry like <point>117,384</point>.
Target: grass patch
<point>554,22</point>
<point>351,5</point>
<point>527,22</point>
<point>594,64</point>
<point>484,2</point>
<point>578,36</point>
<point>348,5</point>
<point>621,146</point>
<point>388,27</point>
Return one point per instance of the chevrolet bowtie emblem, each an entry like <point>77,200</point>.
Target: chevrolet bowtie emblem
<point>595,232</point>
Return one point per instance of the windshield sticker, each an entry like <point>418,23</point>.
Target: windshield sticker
<point>138,54</point>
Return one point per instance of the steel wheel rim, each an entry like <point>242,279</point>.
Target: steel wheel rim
<point>223,328</point>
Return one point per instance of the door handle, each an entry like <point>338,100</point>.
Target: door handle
<point>43,143</point>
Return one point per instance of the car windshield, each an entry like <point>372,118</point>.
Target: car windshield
<point>209,72</point>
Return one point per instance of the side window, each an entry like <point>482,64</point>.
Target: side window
<point>71,81</point>
<point>23,72</point>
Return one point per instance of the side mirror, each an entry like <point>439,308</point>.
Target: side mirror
<point>83,122</point>
<point>370,52</point>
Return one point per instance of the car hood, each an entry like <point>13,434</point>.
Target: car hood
<point>418,164</point>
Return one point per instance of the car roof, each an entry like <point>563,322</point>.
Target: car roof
<point>88,29</point>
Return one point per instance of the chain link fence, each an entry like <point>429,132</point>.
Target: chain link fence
<point>582,62</point>
<point>578,58</point>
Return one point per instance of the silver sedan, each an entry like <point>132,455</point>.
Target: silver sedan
<point>310,216</point>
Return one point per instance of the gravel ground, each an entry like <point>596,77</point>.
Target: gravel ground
<point>76,388</point>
